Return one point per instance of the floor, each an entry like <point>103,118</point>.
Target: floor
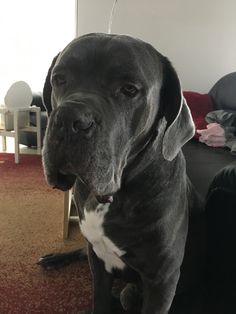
<point>10,147</point>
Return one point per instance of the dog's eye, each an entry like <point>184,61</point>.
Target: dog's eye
<point>129,90</point>
<point>59,79</point>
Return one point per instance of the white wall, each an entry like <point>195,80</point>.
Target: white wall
<point>32,33</point>
<point>199,37</point>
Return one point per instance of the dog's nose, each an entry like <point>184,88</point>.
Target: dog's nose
<point>84,121</point>
<point>75,118</point>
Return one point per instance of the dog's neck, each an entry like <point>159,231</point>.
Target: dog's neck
<point>143,164</point>
<point>147,154</point>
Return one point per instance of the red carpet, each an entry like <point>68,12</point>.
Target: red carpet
<point>31,222</point>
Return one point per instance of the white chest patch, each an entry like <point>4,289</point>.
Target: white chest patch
<point>92,228</point>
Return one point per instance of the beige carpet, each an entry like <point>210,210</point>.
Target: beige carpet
<point>31,225</point>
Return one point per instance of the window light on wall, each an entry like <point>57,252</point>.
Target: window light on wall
<point>32,33</point>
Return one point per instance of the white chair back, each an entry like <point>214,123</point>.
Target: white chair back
<point>19,95</point>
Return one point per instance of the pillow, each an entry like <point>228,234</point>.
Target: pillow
<point>199,105</point>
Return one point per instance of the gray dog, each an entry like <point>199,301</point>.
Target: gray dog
<point>116,130</point>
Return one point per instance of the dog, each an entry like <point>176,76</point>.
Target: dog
<point>118,122</point>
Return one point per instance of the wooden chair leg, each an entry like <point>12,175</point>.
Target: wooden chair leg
<point>67,209</point>
<point>38,124</point>
<point>16,130</point>
<point>4,143</point>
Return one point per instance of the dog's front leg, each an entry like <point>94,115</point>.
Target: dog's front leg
<point>102,284</point>
<point>158,296</point>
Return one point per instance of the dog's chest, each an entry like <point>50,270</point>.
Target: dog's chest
<point>92,228</point>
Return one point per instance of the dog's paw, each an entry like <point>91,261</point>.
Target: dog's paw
<point>51,261</point>
<point>131,298</point>
<point>58,260</point>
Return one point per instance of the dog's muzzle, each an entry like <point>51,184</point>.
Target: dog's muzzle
<point>77,144</point>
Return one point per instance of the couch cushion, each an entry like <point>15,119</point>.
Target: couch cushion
<point>203,162</point>
<point>200,105</point>
<point>223,93</point>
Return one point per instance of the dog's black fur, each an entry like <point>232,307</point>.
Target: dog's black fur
<point>115,133</point>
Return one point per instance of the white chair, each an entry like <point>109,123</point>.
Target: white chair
<point>15,116</point>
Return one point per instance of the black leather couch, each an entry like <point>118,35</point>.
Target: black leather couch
<point>203,162</point>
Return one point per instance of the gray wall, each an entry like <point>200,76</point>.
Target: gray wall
<point>199,37</point>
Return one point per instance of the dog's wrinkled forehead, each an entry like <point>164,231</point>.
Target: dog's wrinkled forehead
<point>110,56</point>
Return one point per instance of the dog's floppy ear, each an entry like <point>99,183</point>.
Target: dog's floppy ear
<point>173,109</point>
<point>47,88</point>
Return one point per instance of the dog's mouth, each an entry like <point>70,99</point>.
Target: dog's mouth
<point>100,177</point>
<point>64,181</point>
<point>103,199</point>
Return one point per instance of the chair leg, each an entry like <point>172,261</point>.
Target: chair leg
<point>67,208</point>
<point>4,143</point>
<point>16,130</point>
<point>17,152</point>
<point>38,123</point>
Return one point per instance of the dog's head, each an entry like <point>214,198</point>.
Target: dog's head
<point>109,94</point>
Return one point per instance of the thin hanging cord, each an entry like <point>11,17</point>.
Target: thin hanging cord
<point>111,16</point>
<point>76,18</point>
